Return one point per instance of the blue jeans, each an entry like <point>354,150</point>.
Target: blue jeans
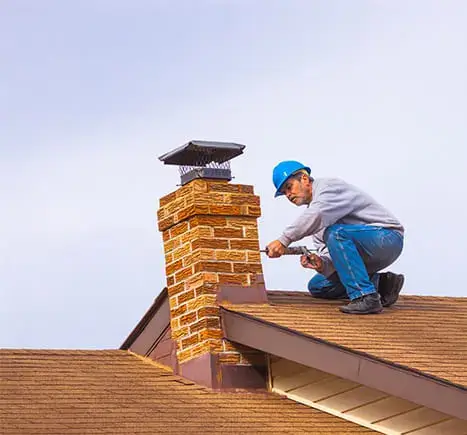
<point>358,252</point>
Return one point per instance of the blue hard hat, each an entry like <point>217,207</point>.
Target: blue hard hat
<point>283,171</point>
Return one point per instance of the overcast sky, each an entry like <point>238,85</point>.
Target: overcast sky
<point>93,91</point>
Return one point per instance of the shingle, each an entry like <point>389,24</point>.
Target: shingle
<point>424,333</point>
<point>116,392</point>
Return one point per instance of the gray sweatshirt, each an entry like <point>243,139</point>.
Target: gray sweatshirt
<point>335,201</point>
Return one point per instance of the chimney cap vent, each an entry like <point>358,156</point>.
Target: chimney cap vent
<point>202,152</point>
<point>203,159</point>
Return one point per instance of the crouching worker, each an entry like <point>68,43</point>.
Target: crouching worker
<point>356,237</point>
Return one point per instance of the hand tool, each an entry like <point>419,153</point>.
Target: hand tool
<point>294,250</point>
<point>298,250</point>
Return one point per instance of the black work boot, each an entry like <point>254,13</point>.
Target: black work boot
<point>390,285</point>
<point>368,304</point>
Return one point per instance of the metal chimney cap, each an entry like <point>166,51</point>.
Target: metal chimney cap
<point>200,153</point>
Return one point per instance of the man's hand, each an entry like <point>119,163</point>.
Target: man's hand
<point>312,261</point>
<point>275,249</point>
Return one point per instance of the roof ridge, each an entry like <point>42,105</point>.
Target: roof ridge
<point>52,351</point>
<point>402,296</point>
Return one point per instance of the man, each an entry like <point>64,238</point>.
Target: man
<point>356,237</point>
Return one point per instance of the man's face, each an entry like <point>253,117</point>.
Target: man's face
<point>298,191</point>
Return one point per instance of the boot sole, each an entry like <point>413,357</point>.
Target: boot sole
<point>374,311</point>
<point>398,284</point>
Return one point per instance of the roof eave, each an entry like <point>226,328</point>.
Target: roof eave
<point>396,380</point>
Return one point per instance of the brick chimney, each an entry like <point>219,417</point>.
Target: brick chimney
<point>210,233</point>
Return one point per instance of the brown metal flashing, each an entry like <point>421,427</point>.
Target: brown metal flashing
<point>151,327</point>
<point>164,350</point>
<point>199,370</point>
<point>358,367</point>
<point>208,371</point>
<point>236,294</point>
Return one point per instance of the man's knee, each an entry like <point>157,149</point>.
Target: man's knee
<point>317,284</point>
<point>321,287</point>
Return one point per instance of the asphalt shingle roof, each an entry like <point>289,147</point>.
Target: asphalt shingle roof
<point>117,392</point>
<point>423,333</point>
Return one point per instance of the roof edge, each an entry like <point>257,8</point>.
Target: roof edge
<point>365,369</point>
<point>135,333</point>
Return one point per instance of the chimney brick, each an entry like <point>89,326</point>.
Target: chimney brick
<point>210,234</point>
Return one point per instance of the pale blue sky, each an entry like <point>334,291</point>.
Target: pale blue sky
<point>91,92</point>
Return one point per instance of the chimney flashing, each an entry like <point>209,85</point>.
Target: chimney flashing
<point>236,294</point>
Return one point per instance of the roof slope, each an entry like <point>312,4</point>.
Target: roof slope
<point>427,334</point>
<point>65,392</point>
